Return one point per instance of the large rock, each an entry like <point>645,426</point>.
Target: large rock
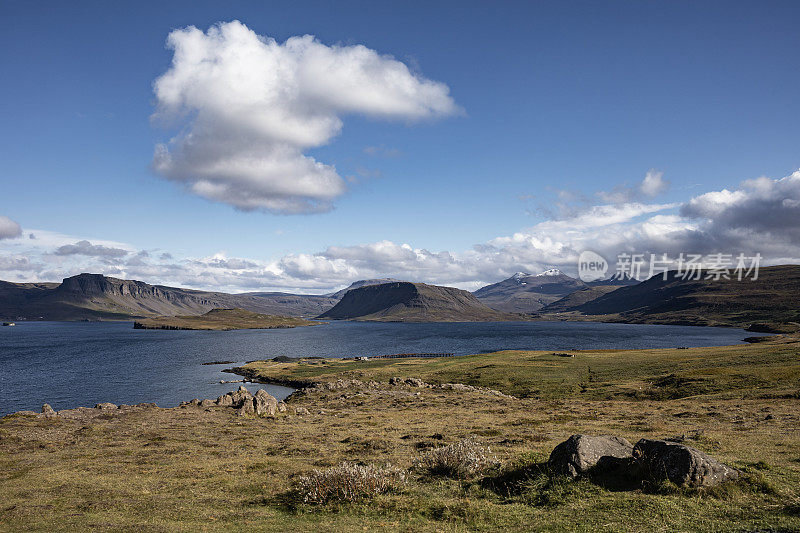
<point>264,403</point>
<point>680,464</point>
<point>579,453</point>
<point>48,412</point>
<point>241,396</point>
<point>226,400</point>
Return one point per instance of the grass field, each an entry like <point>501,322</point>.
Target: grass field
<point>195,469</point>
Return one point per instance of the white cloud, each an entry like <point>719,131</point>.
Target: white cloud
<point>9,229</point>
<point>87,248</point>
<point>248,108</point>
<point>760,216</point>
<point>652,185</point>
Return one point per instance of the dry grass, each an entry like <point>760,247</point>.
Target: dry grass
<point>348,482</point>
<point>462,459</point>
<point>192,469</point>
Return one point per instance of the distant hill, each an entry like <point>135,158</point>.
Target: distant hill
<point>361,283</point>
<point>772,300</point>
<point>412,302</point>
<point>98,297</point>
<point>527,293</point>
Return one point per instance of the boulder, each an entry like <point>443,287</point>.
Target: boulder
<point>48,411</point>
<point>415,382</point>
<point>241,396</point>
<point>226,400</point>
<point>207,403</point>
<point>281,407</point>
<point>264,403</point>
<point>579,453</point>
<point>105,405</point>
<point>246,408</point>
<point>680,464</point>
<point>301,411</point>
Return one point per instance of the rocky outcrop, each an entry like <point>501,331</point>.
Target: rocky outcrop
<point>683,465</point>
<point>259,404</point>
<point>580,453</point>
<point>612,461</point>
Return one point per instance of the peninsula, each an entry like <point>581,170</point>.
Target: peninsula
<point>224,320</point>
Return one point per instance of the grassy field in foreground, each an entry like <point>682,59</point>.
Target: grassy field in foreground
<point>195,469</point>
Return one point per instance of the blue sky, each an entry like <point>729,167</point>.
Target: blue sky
<point>560,103</point>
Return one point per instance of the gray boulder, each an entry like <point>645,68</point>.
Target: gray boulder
<point>105,405</point>
<point>281,407</point>
<point>264,403</point>
<point>680,464</point>
<point>226,400</point>
<point>246,408</point>
<point>579,453</point>
<point>207,403</point>
<point>241,396</point>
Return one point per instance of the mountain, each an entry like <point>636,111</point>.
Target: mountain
<point>98,297</point>
<point>361,283</point>
<point>773,299</point>
<point>412,302</point>
<point>526,293</point>
<point>579,297</point>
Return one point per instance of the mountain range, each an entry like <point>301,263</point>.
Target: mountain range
<point>771,300</point>
<point>528,293</point>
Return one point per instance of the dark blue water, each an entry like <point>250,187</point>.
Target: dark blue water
<point>69,364</point>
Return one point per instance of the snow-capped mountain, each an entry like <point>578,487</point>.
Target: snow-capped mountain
<point>527,293</point>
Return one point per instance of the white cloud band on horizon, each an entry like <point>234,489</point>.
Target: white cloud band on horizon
<point>248,107</point>
<point>760,216</point>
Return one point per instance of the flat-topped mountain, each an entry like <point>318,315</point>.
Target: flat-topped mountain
<point>97,297</point>
<point>774,298</point>
<point>527,293</point>
<point>413,302</point>
<point>360,283</point>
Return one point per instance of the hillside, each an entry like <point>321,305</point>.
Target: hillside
<point>526,293</point>
<point>412,302</point>
<point>579,297</point>
<point>98,297</point>
<point>361,283</point>
<point>223,320</point>
<point>772,300</point>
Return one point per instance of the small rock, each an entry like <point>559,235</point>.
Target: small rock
<point>395,381</point>
<point>281,407</point>
<point>301,411</point>
<point>415,382</point>
<point>579,453</point>
<point>105,405</point>
<point>769,417</point>
<point>680,464</point>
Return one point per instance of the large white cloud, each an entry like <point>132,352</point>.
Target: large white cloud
<point>248,108</point>
<point>8,228</point>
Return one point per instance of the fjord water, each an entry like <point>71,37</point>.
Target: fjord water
<point>71,364</point>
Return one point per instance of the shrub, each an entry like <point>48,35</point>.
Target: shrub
<point>348,482</point>
<point>462,459</point>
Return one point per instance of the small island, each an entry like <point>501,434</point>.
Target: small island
<point>224,320</point>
